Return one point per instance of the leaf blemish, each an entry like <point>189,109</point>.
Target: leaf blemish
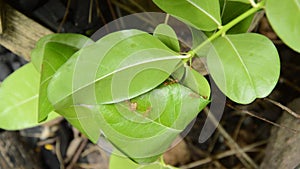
<point>194,95</point>
<point>147,112</point>
<point>170,81</point>
<point>133,106</point>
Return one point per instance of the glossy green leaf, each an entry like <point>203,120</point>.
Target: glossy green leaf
<point>151,120</point>
<point>84,118</point>
<point>198,37</point>
<point>71,40</point>
<point>50,53</point>
<point>118,162</point>
<point>203,15</point>
<point>55,55</point>
<point>120,66</point>
<point>196,82</point>
<point>284,19</point>
<point>193,80</point>
<point>242,1</point>
<point>233,9</point>
<point>167,35</point>
<point>244,66</point>
<point>19,99</point>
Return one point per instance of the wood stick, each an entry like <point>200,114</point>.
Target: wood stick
<point>283,148</point>
<point>20,33</point>
<point>240,154</point>
<point>291,112</point>
<point>249,148</point>
<point>1,17</point>
<point>15,154</point>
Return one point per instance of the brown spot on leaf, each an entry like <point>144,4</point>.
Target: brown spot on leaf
<point>194,95</point>
<point>133,106</point>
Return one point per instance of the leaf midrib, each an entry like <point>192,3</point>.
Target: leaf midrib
<point>21,103</point>
<point>205,12</point>
<point>50,65</point>
<point>298,4</point>
<point>122,69</point>
<point>242,62</point>
<point>159,124</point>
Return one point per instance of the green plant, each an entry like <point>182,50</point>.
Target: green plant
<point>80,79</point>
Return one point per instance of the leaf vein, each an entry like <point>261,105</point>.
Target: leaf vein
<point>242,62</point>
<point>205,12</point>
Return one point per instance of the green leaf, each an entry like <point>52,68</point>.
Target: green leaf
<point>242,1</point>
<point>151,120</point>
<point>196,82</point>
<point>72,40</point>
<point>229,11</point>
<point>233,9</point>
<point>203,15</point>
<point>167,35</point>
<point>118,67</point>
<point>284,19</point>
<point>118,162</point>
<point>84,118</point>
<point>19,99</point>
<point>192,79</point>
<point>198,38</point>
<point>50,53</point>
<point>55,55</point>
<point>244,66</point>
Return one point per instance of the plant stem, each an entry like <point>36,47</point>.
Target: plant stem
<point>228,26</point>
<point>253,3</point>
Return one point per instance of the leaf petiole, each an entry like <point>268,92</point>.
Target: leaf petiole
<point>253,3</point>
<point>222,30</point>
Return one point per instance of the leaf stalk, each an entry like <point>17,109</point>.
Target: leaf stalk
<point>222,31</point>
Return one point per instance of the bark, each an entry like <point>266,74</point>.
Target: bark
<point>283,150</point>
<point>1,17</point>
<point>19,33</point>
<point>16,155</point>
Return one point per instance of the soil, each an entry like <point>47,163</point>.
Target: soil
<point>61,146</point>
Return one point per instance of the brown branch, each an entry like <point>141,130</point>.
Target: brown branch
<point>261,118</point>
<point>77,154</point>
<point>65,16</point>
<point>249,148</point>
<point>99,12</point>
<point>290,84</point>
<point>1,16</point>
<point>59,155</point>
<point>291,112</point>
<point>241,155</point>
<point>91,11</point>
